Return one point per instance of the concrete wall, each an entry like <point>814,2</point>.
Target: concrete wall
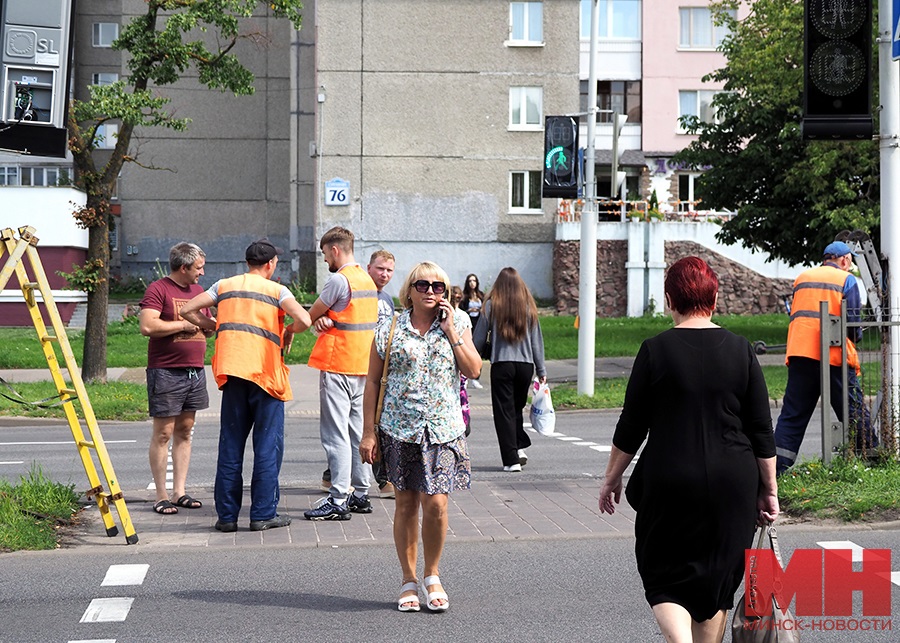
<point>416,119</point>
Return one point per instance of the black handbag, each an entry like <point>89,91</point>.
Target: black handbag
<point>487,348</point>
<point>775,627</point>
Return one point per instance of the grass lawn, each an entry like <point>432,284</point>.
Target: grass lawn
<point>32,511</point>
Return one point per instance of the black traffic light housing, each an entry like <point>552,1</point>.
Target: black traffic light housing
<point>837,69</point>
<point>560,166</point>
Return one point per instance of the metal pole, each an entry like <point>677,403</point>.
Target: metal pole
<point>889,92</point>
<point>587,281</point>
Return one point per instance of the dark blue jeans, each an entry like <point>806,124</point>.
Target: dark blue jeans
<point>246,406</point>
<point>800,399</point>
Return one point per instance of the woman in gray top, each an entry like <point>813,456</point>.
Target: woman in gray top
<point>517,355</point>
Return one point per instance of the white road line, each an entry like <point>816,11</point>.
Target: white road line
<point>857,554</point>
<point>118,575</point>
<point>13,462</point>
<point>602,449</point>
<point>567,438</point>
<point>69,442</point>
<point>94,641</point>
<point>585,444</point>
<point>107,610</point>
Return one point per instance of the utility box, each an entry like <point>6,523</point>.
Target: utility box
<point>35,58</point>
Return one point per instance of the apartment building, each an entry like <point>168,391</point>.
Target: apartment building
<point>418,124</point>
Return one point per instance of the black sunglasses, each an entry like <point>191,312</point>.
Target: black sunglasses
<point>438,287</point>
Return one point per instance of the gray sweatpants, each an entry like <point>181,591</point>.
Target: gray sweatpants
<point>340,427</point>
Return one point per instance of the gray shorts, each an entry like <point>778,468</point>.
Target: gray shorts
<point>172,391</point>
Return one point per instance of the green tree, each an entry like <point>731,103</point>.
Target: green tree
<point>171,38</point>
<point>791,196</point>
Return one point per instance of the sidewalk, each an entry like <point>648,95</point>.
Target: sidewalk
<point>518,509</point>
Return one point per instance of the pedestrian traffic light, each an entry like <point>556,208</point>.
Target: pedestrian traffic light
<point>617,178</point>
<point>560,157</point>
<point>837,78</point>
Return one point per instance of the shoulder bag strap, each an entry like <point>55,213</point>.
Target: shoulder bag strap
<point>384,372</point>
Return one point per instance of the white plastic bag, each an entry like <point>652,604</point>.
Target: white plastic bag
<point>543,418</point>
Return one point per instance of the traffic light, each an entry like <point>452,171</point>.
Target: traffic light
<point>617,178</point>
<point>34,72</point>
<point>560,157</point>
<point>837,77</point>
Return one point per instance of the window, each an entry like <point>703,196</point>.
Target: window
<point>697,28</point>
<point>622,96</point>
<point>618,19</point>
<point>34,175</point>
<point>105,33</point>
<point>525,107</point>
<point>525,191</point>
<point>9,175</point>
<point>103,78</point>
<point>40,176</point>
<point>697,103</point>
<point>686,201</point>
<point>526,22</point>
<point>106,136</point>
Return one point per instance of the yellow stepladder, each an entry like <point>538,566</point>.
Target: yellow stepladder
<point>26,246</point>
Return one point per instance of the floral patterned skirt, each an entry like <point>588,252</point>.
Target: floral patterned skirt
<point>428,468</point>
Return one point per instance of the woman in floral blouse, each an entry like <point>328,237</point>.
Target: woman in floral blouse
<point>420,437</point>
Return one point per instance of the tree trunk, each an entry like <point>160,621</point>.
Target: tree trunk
<point>93,365</point>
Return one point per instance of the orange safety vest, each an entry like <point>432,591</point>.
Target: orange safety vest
<point>825,283</point>
<point>249,334</point>
<point>345,347</point>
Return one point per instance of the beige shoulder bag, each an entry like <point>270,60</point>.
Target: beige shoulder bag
<point>384,373</point>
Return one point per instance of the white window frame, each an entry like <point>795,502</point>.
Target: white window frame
<point>527,176</point>
<point>10,175</point>
<point>104,34</point>
<point>717,33</point>
<point>528,18</point>
<point>104,78</point>
<point>518,99</point>
<point>607,7</point>
<point>106,136</point>
<point>698,95</point>
<point>688,205</point>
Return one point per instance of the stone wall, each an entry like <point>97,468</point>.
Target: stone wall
<point>611,278</point>
<point>741,290</point>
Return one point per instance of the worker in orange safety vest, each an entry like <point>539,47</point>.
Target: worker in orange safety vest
<point>833,283</point>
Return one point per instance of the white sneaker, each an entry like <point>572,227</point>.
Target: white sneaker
<point>523,457</point>
<point>513,468</point>
<point>476,384</point>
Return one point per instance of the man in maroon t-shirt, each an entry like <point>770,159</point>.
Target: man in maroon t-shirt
<point>176,381</point>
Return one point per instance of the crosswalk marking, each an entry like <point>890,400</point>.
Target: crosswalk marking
<point>118,575</point>
<point>107,610</point>
<point>856,553</point>
<point>94,641</point>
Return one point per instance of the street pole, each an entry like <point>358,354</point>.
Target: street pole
<point>587,281</point>
<point>889,92</point>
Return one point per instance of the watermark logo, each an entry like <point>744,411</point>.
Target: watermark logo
<point>823,582</point>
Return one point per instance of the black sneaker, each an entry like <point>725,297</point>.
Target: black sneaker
<point>278,521</point>
<point>226,526</point>
<point>359,505</point>
<point>327,509</point>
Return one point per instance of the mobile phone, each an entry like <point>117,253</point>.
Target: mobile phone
<point>442,315</point>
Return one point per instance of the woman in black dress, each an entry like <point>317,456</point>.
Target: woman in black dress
<point>707,474</point>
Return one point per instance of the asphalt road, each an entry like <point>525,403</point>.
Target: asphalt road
<point>550,590</point>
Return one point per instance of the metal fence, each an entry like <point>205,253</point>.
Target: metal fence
<point>880,332</point>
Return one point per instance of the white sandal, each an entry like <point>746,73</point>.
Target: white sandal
<point>433,596</point>
<point>402,602</point>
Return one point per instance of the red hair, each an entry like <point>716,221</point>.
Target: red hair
<point>692,286</point>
